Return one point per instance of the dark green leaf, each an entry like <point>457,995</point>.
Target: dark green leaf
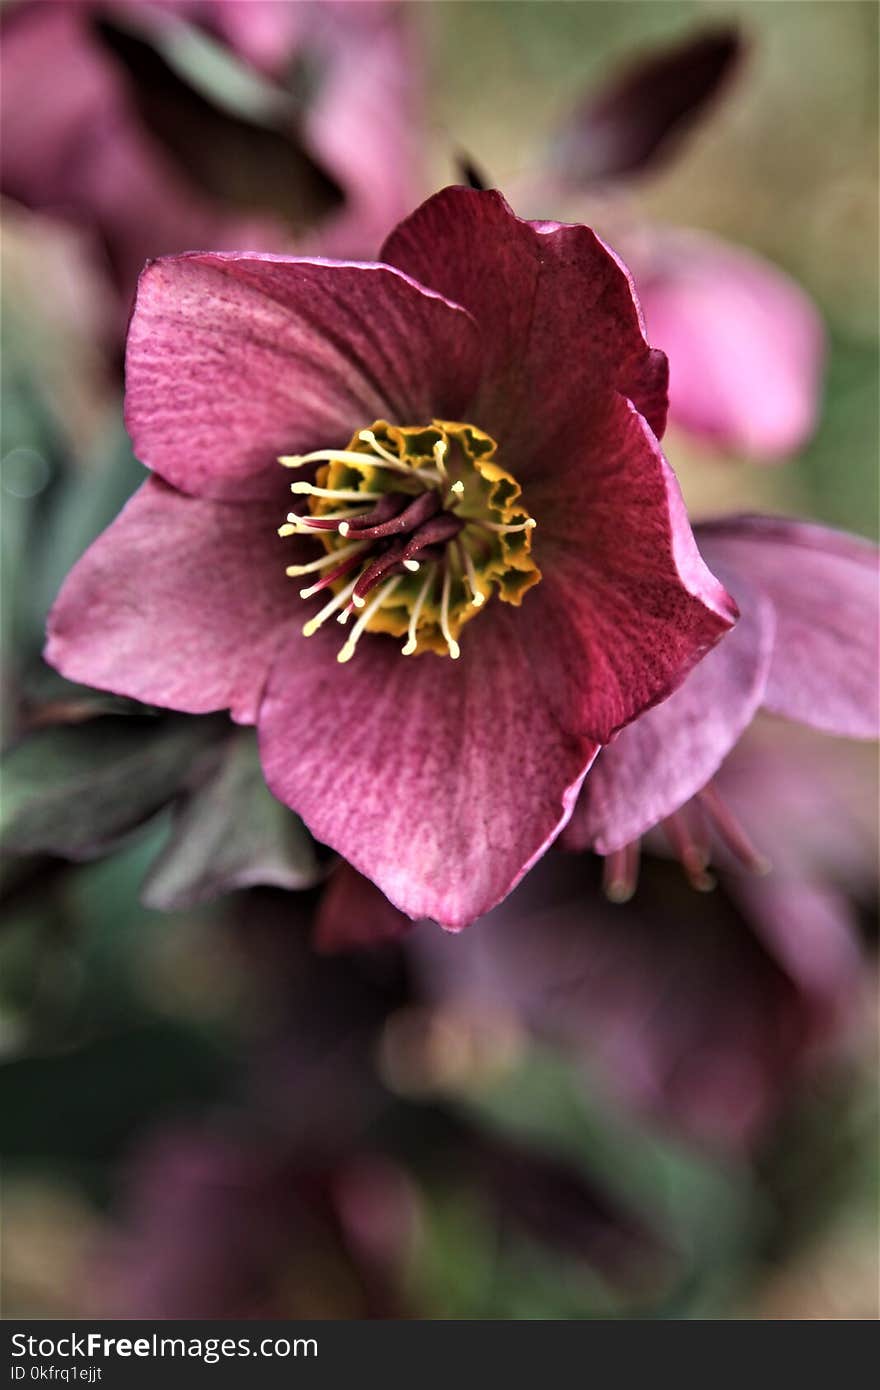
<point>231,833</point>
<point>75,790</point>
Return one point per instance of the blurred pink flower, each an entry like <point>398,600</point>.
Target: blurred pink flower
<point>100,129</point>
<point>441,779</point>
<point>215,1223</point>
<point>745,345</point>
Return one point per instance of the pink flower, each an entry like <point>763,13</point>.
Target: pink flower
<point>535,563</point>
<point>805,648</point>
<point>745,344</point>
<point>216,1224</point>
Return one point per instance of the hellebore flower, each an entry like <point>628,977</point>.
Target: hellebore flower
<point>745,344</point>
<point>806,648</point>
<point>104,128</point>
<point>489,499</point>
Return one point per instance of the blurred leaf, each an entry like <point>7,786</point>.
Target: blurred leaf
<point>461,1268</point>
<point>231,833</point>
<point>642,114</point>
<point>75,790</point>
<point>230,156</point>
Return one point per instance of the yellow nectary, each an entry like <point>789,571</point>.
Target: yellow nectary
<point>420,527</point>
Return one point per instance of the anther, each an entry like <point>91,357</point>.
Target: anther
<point>478,598</point>
<point>334,494</point>
<point>311,627</point>
<point>411,638</point>
<point>440,458</point>
<point>504,529</point>
<point>691,856</point>
<point>326,580</point>
<point>347,651</point>
<point>454,648</point>
<point>620,873</point>
<point>331,558</point>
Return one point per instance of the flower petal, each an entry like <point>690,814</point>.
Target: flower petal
<point>557,311</point>
<point>440,780</point>
<point>745,344</point>
<point>625,595</point>
<point>169,606</point>
<point>824,587</point>
<point>234,359</point>
<point>664,758</point>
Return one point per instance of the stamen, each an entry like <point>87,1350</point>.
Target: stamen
<point>454,648</point>
<point>369,438</point>
<point>347,456</point>
<point>335,494</point>
<point>692,857</point>
<point>325,582</point>
<point>389,461</point>
<point>440,458</point>
<point>731,831</point>
<point>620,873</point>
<point>332,557</point>
<point>347,651</point>
<point>412,565</point>
<point>503,529</point>
<point>311,627</point>
<point>411,639</point>
<point>478,597</point>
<point>458,488</point>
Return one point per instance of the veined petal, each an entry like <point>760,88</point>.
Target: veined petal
<point>440,780</point>
<point>664,758</point>
<point>556,308</point>
<point>234,359</point>
<point>168,606</point>
<point>625,595</point>
<point>825,590</point>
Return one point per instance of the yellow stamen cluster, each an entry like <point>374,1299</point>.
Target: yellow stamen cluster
<point>475,542</point>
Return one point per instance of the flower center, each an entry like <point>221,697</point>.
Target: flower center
<point>420,527</point>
